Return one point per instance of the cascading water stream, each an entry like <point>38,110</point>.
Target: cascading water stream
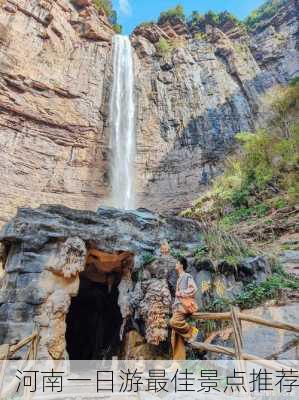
<point>122,119</point>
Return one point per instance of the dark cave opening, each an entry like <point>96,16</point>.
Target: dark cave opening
<point>94,319</point>
<point>93,322</point>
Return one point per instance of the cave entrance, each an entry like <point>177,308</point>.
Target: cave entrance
<point>94,320</point>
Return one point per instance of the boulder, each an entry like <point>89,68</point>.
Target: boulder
<point>290,261</point>
<point>254,268</point>
<point>277,344</point>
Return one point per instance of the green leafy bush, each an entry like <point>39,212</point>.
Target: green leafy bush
<point>147,258</point>
<point>175,12</point>
<point>212,18</point>
<point>220,245</point>
<point>117,28</point>
<point>196,18</point>
<point>164,47</point>
<point>200,36</point>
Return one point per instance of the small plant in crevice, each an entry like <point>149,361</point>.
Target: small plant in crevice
<point>163,47</point>
<point>201,36</point>
<point>177,253</point>
<point>147,258</point>
<point>254,295</point>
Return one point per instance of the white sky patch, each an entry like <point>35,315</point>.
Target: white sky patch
<point>125,7</point>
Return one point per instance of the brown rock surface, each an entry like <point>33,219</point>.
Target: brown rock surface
<point>52,105</point>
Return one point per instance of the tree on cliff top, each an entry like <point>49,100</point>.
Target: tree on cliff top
<point>175,12</point>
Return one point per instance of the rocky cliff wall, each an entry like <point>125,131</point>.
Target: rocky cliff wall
<point>53,104</point>
<point>196,97</point>
<point>55,75</point>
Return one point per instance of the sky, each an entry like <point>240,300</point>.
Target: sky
<point>132,12</point>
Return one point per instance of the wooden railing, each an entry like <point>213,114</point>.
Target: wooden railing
<point>236,317</point>
<point>8,351</point>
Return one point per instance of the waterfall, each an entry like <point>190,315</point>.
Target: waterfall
<point>122,121</point>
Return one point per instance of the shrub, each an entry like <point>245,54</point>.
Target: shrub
<point>107,7</point>
<point>254,295</point>
<point>294,81</point>
<point>196,18</point>
<point>175,12</point>
<point>147,258</point>
<point>117,28</point>
<point>221,245</point>
<point>200,36</point>
<point>164,47</point>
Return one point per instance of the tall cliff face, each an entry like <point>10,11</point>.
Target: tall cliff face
<point>192,101</point>
<point>55,75</point>
<point>55,62</point>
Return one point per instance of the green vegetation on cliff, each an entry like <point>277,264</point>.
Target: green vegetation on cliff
<point>175,12</point>
<point>265,11</point>
<point>196,18</point>
<point>255,294</point>
<point>264,175</point>
<point>199,21</point>
<point>107,7</point>
<point>212,18</point>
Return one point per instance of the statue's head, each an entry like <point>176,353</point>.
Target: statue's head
<point>165,249</point>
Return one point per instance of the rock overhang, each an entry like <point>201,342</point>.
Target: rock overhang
<point>108,229</point>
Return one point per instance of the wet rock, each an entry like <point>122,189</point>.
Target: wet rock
<point>226,268</point>
<point>204,264</point>
<point>257,268</point>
